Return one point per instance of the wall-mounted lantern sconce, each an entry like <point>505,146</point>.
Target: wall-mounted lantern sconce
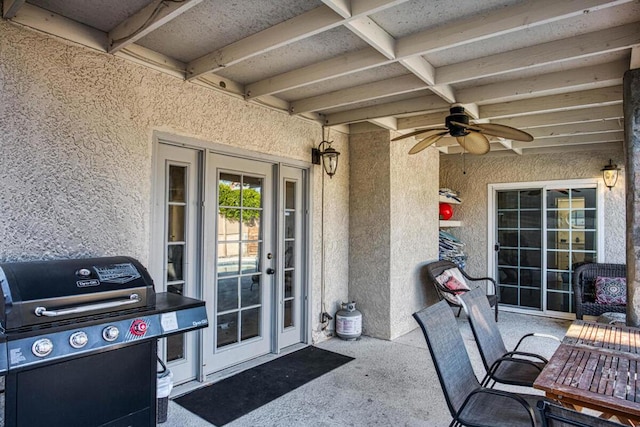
<point>327,155</point>
<point>610,175</point>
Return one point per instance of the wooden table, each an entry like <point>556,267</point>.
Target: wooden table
<point>596,367</point>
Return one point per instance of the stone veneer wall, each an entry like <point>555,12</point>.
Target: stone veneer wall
<point>393,230</point>
<point>481,171</point>
<point>76,132</point>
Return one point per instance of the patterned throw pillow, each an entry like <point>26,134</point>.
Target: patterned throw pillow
<point>611,290</point>
<point>454,280</point>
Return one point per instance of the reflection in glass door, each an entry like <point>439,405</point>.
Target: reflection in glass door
<point>571,238</point>
<point>520,247</point>
<point>239,299</point>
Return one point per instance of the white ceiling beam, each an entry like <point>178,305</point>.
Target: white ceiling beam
<point>386,122</point>
<point>146,20</point>
<point>308,24</point>
<point>341,7</point>
<point>593,97</point>
<point>508,144</point>
<point>600,126</point>
<point>302,26</point>
<point>497,23</point>
<point>423,120</point>
<point>366,92</point>
<point>325,70</point>
<point>389,109</point>
<point>595,43</point>
<point>11,7</point>
<point>602,75</point>
<point>595,138</point>
<point>374,35</point>
<point>609,112</point>
<point>424,42</point>
<point>564,117</point>
<point>425,71</point>
<point>57,25</point>
<point>152,59</point>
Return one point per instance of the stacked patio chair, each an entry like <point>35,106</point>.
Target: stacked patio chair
<point>558,416</point>
<point>440,273</point>
<point>502,366</point>
<point>470,404</point>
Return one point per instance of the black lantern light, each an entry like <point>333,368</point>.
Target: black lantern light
<point>610,175</point>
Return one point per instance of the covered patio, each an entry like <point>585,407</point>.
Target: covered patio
<point>388,383</point>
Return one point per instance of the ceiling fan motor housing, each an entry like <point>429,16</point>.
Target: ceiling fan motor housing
<point>459,116</point>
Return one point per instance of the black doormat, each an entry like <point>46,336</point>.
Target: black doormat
<point>233,397</point>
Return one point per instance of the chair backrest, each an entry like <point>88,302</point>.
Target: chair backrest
<point>448,353</point>
<point>437,269</point>
<point>485,329</point>
<point>584,276</point>
<point>558,416</point>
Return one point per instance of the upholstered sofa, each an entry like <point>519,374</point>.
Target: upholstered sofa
<point>584,288</point>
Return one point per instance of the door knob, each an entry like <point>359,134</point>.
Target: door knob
<point>270,271</point>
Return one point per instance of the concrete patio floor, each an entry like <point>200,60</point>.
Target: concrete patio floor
<point>388,383</point>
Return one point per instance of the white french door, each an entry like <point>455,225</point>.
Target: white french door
<point>233,232</point>
<point>240,266</point>
<point>175,263</point>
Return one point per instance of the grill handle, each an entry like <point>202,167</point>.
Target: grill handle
<point>42,311</point>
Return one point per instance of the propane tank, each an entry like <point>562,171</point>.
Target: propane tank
<point>349,321</point>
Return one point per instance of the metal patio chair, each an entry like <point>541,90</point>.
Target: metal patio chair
<point>584,292</point>
<point>502,366</point>
<point>436,269</point>
<point>558,416</point>
<point>469,403</point>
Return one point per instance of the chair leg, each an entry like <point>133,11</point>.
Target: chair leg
<point>459,311</point>
<point>496,312</point>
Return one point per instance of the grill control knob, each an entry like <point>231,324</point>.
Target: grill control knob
<point>138,327</point>
<point>78,339</point>
<point>110,333</point>
<point>42,347</point>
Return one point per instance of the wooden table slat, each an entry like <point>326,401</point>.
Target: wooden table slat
<point>596,366</point>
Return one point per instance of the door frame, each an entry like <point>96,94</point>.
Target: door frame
<point>156,255</point>
<point>492,190</point>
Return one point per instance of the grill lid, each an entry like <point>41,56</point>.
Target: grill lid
<point>39,292</point>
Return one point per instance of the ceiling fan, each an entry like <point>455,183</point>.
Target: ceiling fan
<point>472,137</point>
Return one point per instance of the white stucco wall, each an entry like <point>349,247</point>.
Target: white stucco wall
<point>394,230</point>
<point>76,134</point>
<point>484,170</point>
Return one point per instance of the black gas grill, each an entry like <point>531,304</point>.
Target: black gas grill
<point>80,341</point>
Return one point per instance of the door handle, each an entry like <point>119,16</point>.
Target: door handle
<point>270,271</point>
<point>496,247</point>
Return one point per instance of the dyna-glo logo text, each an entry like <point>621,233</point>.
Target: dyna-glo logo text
<point>200,322</point>
<point>87,283</point>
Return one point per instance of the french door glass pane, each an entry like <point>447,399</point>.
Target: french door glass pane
<point>290,243</point>
<point>239,291</point>
<point>175,248</point>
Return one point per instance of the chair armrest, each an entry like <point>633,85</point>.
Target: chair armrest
<point>476,279</point>
<point>507,358</point>
<point>501,393</point>
<point>527,354</point>
<point>535,334</point>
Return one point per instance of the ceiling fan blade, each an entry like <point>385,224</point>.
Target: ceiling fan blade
<point>431,139</point>
<point>474,143</point>
<point>418,132</point>
<point>503,131</point>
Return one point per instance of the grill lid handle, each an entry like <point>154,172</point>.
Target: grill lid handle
<point>42,311</point>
